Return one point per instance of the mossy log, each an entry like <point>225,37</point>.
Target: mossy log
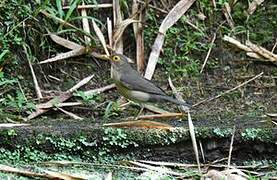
<point>254,139</point>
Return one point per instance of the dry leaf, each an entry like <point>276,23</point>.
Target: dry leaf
<point>253,6</point>
<point>100,37</point>
<point>73,53</point>
<point>119,29</point>
<point>176,12</point>
<point>85,24</point>
<point>64,42</point>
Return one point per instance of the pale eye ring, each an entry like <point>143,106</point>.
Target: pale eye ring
<point>116,58</point>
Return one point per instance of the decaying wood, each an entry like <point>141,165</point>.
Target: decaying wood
<point>253,50</point>
<point>262,51</point>
<point>138,31</point>
<point>117,20</point>
<point>176,12</point>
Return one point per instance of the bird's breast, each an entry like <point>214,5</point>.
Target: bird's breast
<point>137,96</point>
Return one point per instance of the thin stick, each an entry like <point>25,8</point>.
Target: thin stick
<point>177,94</point>
<point>161,116</point>
<point>96,6</point>
<point>272,50</point>
<point>37,88</point>
<point>74,116</point>
<point>193,140</point>
<point>228,91</point>
<point>21,90</point>
<point>202,151</point>
<point>154,7</point>
<point>208,54</point>
<point>65,104</point>
<point>99,90</point>
<point>231,147</point>
<point>157,169</point>
<point>172,164</point>
<point>69,163</point>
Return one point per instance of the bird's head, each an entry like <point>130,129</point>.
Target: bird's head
<point>119,59</point>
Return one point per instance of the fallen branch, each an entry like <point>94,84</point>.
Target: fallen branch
<point>157,169</point>
<point>58,99</point>
<point>253,50</point>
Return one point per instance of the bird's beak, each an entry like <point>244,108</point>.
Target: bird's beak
<point>130,60</point>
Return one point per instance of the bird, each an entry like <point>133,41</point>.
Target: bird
<point>133,86</point>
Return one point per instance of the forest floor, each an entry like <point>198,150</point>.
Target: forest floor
<point>233,92</point>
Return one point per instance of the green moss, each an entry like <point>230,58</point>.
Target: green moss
<point>252,134</point>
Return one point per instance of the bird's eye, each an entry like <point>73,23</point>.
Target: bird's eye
<point>116,58</point>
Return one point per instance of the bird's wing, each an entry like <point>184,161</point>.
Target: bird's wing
<point>138,83</point>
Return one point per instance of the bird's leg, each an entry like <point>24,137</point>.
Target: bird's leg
<point>140,111</point>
